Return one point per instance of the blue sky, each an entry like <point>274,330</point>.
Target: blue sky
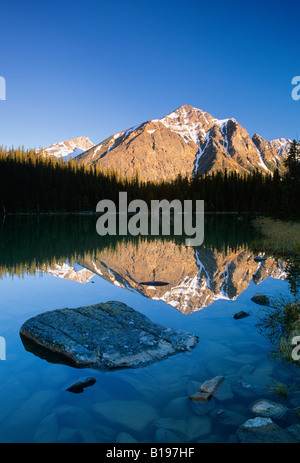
<point>94,68</point>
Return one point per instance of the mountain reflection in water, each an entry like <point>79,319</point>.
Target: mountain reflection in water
<point>69,247</point>
<point>197,277</point>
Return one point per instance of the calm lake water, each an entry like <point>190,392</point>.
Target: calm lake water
<point>55,262</point>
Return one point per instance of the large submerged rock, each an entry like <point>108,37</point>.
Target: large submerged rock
<point>102,336</point>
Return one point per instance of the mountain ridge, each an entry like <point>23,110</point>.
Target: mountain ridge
<point>187,141</point>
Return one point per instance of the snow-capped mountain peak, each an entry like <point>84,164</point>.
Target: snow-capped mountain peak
<point>187,141</point>
<point>69,148</point>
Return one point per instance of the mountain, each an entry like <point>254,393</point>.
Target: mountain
<point>187,141</point>
<point>70,148</point>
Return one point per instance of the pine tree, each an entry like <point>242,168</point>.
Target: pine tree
<point>292,181</point>
<point>292,162</point>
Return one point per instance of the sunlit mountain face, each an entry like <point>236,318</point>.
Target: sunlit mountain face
<point>187,141</point>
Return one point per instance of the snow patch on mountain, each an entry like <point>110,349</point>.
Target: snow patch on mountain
<point>224,128</point>
<point>75,273</point>
<point>281,145</point>
<point>179,121</point>
<point>201,151</point>
<point>261,162</point>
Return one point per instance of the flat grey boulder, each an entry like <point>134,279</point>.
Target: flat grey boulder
<point>103,336</point>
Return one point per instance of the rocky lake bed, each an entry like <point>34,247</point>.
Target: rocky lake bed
<point>93,355</point>
<point>227,402</point>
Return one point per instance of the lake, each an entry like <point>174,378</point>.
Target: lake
<point>53,262</point>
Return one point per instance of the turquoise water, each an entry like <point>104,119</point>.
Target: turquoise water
<point>46,267</point>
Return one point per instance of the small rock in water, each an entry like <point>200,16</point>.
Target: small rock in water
<point>240,315</point>
<point>260,299</point>
<point>212,385</point>
<point>207,389</point>
<point>264,430</point>
<point>268,409</point>
<point>258,424</point>
<point>224,391</point>
<point>79,386</point>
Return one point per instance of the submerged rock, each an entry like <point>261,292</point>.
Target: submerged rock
<point>79,386</point>
<point>228,417</point>
<point>224,391</point>
<point>244,389</point>
<point>125,438</point>
<point>203,408</point>
<point>257,430</point>
<point>212,385</point>
<point>172,424</point>
<point>264,430</point>
<point>129,415</point>
<point>163,435</point>
<point>201,397</point>
<point>103,336</point>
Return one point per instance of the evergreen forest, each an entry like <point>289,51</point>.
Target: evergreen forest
<point>35,183</point>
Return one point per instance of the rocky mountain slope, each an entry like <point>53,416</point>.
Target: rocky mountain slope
<point>187,141</point>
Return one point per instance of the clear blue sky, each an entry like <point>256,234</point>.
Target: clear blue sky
<point>97,67</point>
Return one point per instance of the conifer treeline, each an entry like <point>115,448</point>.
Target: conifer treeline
<point>34,183</point>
